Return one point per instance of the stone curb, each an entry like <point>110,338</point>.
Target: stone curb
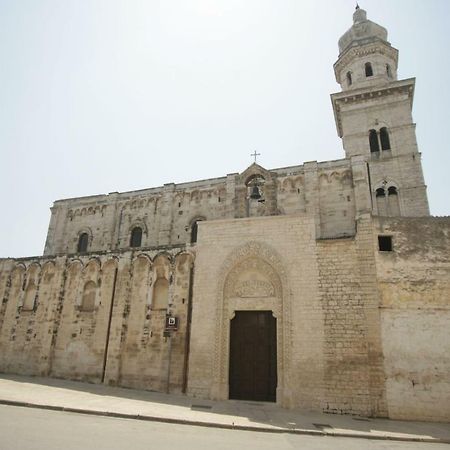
<point>148,418</point>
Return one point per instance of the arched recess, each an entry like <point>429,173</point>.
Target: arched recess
<point>17,286</point>
<point>141,282</point>
<point>160,294</point>
<point>88,299</point>
<point>183,262</point>
<point>252,278</point>
<point>31,287</point>
<point>48,271</point>
<point>108,274</point>
<point>47,285</point>
<point>162,274</point>
<point>89,286</point>
<point>73,282</point>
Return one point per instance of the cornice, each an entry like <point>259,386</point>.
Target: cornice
<point>362,51</point>
<point>370,93</point>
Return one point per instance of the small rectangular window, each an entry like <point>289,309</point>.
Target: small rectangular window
<point>385,243</point>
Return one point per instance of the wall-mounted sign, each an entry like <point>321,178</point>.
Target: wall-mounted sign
<point>171,323</point>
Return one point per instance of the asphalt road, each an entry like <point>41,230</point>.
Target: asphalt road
<point>37,429</point>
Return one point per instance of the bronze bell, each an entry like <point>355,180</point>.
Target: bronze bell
<point>255,195</point>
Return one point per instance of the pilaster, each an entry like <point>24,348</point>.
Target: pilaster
<point>312,192</point>
<point>165,214</point>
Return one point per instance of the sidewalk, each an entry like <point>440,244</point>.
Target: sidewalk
<point>97,399</point>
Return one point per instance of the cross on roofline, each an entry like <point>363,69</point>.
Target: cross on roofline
<point>255,155</point>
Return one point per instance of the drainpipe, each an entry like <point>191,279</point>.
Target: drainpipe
<point>108,331</point>
<point>188,332</point>
<point>370,186</point>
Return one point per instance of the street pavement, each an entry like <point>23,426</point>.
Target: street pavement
<point>101,400</point>
<point>37,429</point>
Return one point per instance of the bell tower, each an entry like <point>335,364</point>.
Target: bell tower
<point>373,114</point>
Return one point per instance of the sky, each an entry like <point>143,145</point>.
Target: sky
<point>115,95</point>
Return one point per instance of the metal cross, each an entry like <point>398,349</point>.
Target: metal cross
<point>255,155</point>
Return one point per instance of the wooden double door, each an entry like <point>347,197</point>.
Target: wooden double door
<point>253,356</point>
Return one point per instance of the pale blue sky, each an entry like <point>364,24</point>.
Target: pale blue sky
<point>107,95</point>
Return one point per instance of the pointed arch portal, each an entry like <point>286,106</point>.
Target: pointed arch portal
<point>252,326</point>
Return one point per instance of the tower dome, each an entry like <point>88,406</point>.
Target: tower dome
<point>362,32</point>
<point>366,58</point>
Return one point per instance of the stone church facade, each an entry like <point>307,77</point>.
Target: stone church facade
<point>324,286</point>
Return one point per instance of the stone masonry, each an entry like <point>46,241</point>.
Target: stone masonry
<point>342,254</point>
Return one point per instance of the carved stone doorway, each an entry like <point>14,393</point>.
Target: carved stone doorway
<point>253,356</point>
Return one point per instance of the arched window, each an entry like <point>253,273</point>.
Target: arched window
<point>88,300</point>
<point>381,201</point>
<point>392,190</point>
<point>384,138</point>
<point>349,78</point>
<point>388,71</point>
<point>83,242</point>
<point>369,70</point>
<point>136,237</point>
<point>160,297</point>
<point>373,141</point>
<point>393,203</point>
<point>194,231</point>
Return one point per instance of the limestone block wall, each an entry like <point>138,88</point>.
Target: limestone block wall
<point>94,216</point>
<point>268,248</point>
<point>414,286</point>
<point>336,203</point>
<point>354,378</point>
<point>145,352</point>
<point>81,334</point>
<point>166,215</point>
<point>27,322</point>
<point>386,106</point>
<point>93,318</point>
<point>405,173</point>
<point>329,343</point>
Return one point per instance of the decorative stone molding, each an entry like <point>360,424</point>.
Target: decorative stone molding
<point>362,52</point>
<point>268,289</point>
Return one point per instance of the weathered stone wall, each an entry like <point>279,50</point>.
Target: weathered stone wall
<point>280,253</point>
<point>359,331</point>
<point>353,380</point>
<point>329,344</point>
<point>166,215</point>
<point>385,105</point>
<point>414,284</point>
<point>92,317</point>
